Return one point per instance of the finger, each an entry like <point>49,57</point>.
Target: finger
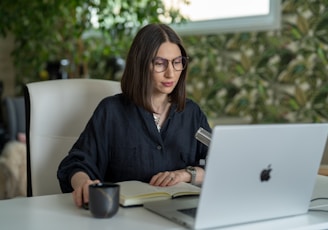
<point>168,180</point>
<point>86,190</point>
<point>173,181</point>
<point>153,180</point>
<point>86,193</point>
<point>77,197</point>
<point>157,179</point>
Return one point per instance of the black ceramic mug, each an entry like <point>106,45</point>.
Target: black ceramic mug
<point>104,199</point>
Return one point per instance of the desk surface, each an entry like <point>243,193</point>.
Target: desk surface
<point>56,212</point>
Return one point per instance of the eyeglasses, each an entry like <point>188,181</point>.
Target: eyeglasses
<point>161,64</point>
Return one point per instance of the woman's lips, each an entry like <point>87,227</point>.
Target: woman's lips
<point>167,84</point>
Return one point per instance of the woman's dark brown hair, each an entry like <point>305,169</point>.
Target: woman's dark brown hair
<point>136,81</point>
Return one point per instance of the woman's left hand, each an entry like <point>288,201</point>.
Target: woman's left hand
<point>169,178</point>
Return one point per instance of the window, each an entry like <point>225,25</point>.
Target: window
<point>223,16</point>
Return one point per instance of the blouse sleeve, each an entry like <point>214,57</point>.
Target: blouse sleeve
<point>88,154</point>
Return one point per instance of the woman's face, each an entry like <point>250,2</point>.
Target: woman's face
<point>165,75</point>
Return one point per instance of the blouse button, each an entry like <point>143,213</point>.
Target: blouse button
<point>159,147</point>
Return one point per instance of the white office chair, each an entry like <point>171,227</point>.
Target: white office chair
<point>56,113</point>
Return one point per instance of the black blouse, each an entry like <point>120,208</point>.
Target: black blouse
<point>121,142</point>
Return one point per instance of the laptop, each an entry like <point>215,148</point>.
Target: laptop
<point>253,173</point>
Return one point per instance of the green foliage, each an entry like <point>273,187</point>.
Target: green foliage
<point>261,77</point>
<point>265,77</point>
<point>50,30</point>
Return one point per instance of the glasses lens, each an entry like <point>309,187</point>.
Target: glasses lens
<point>179,63</point>
<point>160,64</point>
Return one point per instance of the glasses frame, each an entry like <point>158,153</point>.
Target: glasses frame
<point>184,60</point>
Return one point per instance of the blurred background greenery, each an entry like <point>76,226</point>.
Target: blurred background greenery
<point>266,77</point>
<point>86,33</point>
<point>252,77</point>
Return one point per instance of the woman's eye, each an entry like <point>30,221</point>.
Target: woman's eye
<point>159,63</point>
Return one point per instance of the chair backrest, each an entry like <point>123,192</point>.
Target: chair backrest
<point>56,113</point>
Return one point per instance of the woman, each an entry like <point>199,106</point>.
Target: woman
<point>147,132</point>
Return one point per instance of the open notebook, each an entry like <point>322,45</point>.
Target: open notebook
<point>253,173</point>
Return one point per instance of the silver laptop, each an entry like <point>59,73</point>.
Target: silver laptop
<point>253,173</point>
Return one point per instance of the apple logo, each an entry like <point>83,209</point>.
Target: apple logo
<point>265,174</point>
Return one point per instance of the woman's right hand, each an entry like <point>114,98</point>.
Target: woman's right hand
<point>80,183</point>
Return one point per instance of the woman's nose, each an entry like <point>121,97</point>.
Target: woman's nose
<point>170,70</point>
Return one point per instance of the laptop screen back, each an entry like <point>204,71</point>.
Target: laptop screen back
<point>257,172</point>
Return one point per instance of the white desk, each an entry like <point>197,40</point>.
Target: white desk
<point>57,212</point>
